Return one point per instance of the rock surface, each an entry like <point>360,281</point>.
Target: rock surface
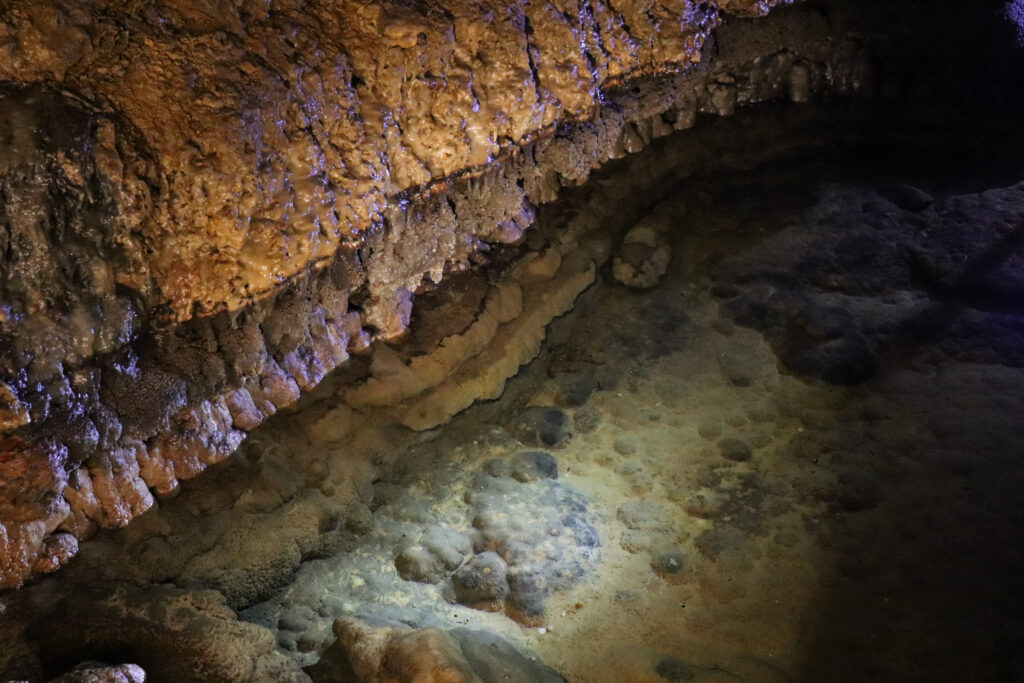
<point>817,402</point>
<point>231,202</point>
<point>391,653</point>
<point>709,567</point>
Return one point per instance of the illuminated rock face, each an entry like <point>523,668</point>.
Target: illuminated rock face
<point>266,136</point>
<point>206,208</point>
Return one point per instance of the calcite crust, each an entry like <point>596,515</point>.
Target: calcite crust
<point>208,206</point>
<point>279,131</point>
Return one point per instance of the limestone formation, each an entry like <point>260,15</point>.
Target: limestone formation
<point>209,207</point>
<point>643,257</point>
<point>181,635</point>
<point>667,493</point>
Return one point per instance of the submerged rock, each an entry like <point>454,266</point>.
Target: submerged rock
<point>541,529</point>
<point>641,261</point>
<point>734,449</point>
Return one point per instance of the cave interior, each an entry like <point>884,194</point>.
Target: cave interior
<point>475,342</point>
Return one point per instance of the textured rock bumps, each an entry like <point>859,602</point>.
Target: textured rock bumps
<point>210,207</point>
<point>245,144</point>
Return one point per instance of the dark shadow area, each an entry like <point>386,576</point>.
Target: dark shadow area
<point>928,562</point>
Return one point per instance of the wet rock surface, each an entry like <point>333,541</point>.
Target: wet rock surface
<point>711,508</point>
<point>217,240</point>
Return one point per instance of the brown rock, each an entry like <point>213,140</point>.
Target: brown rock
<point>13,413</point>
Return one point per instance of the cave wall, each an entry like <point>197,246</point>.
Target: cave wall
<point>247,141</point>
<point>193,192</point>
<point>206,207</point>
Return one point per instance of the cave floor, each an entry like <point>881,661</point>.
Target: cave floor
<point>799,457</point>
<point>804,454</point>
